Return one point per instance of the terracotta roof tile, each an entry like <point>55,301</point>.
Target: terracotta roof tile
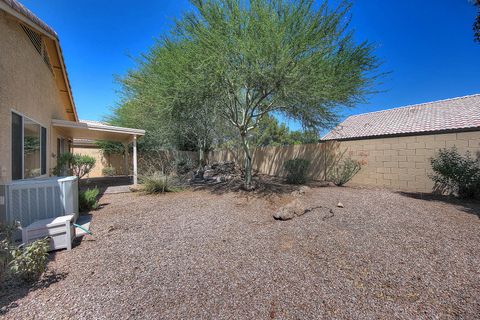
<point>444,115</point>
<point>20,8</point>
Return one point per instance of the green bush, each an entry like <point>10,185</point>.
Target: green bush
<point>456,174</point>
<point>344,171</point>
<point>87,200</point>
<point>6,247</point>
<point>184,165</point>
<point>109,171</point>
<point>297,170</point>
<point>158,183</point>
<point>30,262</point>
<point>110,147</point>
<point>76,164</point>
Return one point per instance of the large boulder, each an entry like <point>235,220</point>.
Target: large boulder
<point>291,210</point>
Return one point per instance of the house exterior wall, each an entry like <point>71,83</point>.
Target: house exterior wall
<point>28,87</point>
<point>399,163</point>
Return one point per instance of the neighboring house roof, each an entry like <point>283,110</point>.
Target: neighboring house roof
<point>18,10</point>
<point>462,113</point>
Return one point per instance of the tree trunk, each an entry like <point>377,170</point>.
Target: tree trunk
<point>201,157</point>
<point>201,154</point>
<point>248,162</point>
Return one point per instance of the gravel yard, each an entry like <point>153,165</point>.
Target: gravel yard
<point>204,255</point>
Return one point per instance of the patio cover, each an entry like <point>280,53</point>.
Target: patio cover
<point>98,131</point>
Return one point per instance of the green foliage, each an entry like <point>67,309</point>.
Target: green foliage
<point>476,24</point>
<point>175,114</point>
<point>31,144</point>
<point>297,170</point>
<point>184,165</point>
<point>230,63</point>
<point>75,164</point>
<point>110,147</point>
<point>87,200</point>
<point>270,132</point>
<point>30,262</point>
<point>344,171</point>
<point>26,262</point>
<point>6,246</point>
<point>456,174</point>
<point>109,171</point>
<point>158,183</point>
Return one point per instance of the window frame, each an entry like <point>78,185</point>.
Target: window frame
<point>47,131</point>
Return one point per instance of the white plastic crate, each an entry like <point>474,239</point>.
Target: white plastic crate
<point>60,230</point>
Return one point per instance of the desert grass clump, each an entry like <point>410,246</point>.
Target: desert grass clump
<point>159,183</point>
<point>87,200</point>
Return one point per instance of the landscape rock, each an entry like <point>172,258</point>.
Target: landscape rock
<point>300,192</point>
<point>340,205</point>
<point>284,213</point>
<point>304,189</point>
<point>293,209</point>
<point>215,173</point>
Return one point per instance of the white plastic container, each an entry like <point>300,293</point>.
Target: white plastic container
<point>60,230</point>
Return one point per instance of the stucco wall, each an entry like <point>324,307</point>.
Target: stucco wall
<point>115,160</point>
<point>400,163</point>
<point>26,86</point>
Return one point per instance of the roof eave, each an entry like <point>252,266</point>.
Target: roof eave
<point>405,134</point>
<point>51,34</point>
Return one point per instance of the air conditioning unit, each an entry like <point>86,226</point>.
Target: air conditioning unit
<point>30,200</point>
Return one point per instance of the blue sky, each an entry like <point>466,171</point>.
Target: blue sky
<point>426,45</point>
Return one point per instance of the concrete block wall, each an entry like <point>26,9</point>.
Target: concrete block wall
<point>403,163</point>
<point>399,163</point>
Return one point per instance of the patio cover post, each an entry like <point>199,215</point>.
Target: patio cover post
<point>135,180</point>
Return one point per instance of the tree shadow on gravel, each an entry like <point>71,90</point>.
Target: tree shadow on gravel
<point>11,290</point>
<point>264,186</point>
<point>467,205</point>
<point>102,183</point>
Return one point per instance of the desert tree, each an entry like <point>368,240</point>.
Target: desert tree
<point>476,23</point>
<point>164,95</point>
<point>275,56</point>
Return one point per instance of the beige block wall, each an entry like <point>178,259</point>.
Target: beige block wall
<point>116,160</point>
<point>399,163</point>
<point>403,163</point>
<point>28,87</point>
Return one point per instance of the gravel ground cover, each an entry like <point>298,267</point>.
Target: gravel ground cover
<point>204,255</point>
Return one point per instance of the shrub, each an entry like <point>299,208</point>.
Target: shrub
<point>456,174</point>
<point>109,171</point>
<point>344,171</point>
<point>6,247</point>
<point>184,165</point>
<point>30,262</point>
<point>297,170</point>
<point>87,200</point>
<point>158,183</point>
<point>76,164</point>
<point>110,147</point>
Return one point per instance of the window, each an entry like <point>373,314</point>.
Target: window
<point>29,148</point>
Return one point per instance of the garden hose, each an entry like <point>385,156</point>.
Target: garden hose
<point>84,229</point>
